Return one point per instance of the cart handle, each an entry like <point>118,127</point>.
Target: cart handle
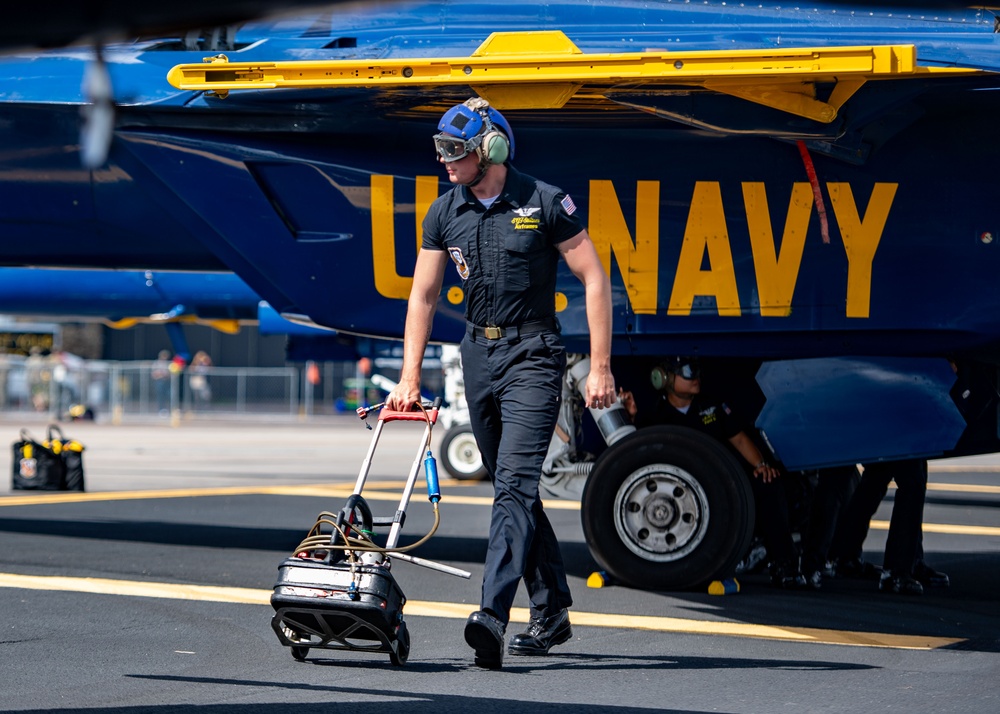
<point>391,415</point>
<point>427,413</point>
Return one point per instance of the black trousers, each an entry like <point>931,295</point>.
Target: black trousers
<point>513,389</point>
<point>772,519</point>
<point>834,489</point>
<point>904,546</point>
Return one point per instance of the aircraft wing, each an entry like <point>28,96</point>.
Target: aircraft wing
<point>66,22</point>
<point>128,297</point>
<point>817,88</point>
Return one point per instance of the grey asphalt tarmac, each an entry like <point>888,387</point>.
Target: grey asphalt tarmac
<point>149,594</point>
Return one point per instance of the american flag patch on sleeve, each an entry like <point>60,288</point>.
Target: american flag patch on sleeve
<point>568,205</point>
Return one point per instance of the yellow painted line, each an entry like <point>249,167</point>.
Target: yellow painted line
<point>460,611</point>
<point>135,588</point>
<point>374,491</point>
<point>65,497</point>
<point>957,468</point>
<point>946,528</point>
<point>963,487</point>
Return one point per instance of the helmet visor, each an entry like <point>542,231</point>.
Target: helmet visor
<point>451,148</point>
<point>688,370</point>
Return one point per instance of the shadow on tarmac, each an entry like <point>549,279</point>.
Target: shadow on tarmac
<point>406,702</point>
<point>158,532</point>
<point>421,703</point>
<point>939,499</point>
<point>579,563</point>
<point>601,663</point>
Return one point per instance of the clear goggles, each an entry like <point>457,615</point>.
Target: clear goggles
<point>688,371</point>
<point>451,148</point>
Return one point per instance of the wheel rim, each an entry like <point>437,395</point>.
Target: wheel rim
<point>661,513</point>
<point>463,454</point>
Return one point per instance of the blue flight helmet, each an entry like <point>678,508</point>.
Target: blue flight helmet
<point>474,126</point>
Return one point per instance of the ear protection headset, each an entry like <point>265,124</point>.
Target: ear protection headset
<point>660,375</point>
<point>494,148</point>
<point>659,378</point>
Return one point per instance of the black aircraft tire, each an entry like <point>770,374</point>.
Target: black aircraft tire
<point>460,454</point>
<point>300,653</point>
<point>668,508</point>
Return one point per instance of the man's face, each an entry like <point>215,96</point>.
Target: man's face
<point>463,171</point>
<point>686,388</point>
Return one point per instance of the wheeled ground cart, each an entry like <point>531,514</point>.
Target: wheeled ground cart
<point>337,591</point>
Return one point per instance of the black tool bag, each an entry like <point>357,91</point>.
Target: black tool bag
<point>36,466</point>
<point>71,453</point>
<point>55,464</point>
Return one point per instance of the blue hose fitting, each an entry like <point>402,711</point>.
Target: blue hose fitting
<point>431,474</point>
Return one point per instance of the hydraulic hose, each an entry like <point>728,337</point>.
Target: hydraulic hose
<point>317,539</point>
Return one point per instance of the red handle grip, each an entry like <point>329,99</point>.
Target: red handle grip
<point>418,415</point>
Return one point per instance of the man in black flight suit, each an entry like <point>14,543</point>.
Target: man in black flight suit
<point>505,232</point>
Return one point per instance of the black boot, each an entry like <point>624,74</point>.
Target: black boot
<point>484,633</point>
<point>899,583</point>
<point>929,576</point>
<point>787,575</point>
<point>542,634</point>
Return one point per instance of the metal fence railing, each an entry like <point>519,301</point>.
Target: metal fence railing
<point>123,391</point>
<point>134,390</point>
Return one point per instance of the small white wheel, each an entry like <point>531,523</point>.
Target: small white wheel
<point>460,454</point>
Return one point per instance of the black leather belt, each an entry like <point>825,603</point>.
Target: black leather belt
<point>513,332</point>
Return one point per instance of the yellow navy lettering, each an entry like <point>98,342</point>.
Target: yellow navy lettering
<point>705,264</point>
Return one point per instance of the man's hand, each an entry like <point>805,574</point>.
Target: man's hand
<point>403,396</point>
<point>600,388</point>
<point>628,401</point>
<point>765,472</point>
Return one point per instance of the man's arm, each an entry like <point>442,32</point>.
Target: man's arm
<point>582,259</point>
<point>749,451</point>
<point>427,278</point>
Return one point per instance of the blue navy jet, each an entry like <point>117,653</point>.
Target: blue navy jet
<point>802,196</point>
<point>122,299</point>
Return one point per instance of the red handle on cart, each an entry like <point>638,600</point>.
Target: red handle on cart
<point>390,415</point>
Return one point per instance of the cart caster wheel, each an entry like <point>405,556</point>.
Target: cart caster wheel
<point>299,653</point>
<point>402,646</point>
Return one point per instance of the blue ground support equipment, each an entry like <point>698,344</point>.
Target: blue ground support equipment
<point>337,591</point>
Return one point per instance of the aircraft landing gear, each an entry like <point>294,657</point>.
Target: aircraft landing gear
<point>668,508</point>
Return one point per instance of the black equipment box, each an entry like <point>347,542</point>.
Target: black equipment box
<point>338,606</point>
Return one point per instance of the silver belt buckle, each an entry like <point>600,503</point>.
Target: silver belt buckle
<point>492,333</point>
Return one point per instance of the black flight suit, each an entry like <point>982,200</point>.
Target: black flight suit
<point>507,257</point>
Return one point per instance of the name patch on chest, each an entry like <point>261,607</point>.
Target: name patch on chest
<point>525,219</point>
